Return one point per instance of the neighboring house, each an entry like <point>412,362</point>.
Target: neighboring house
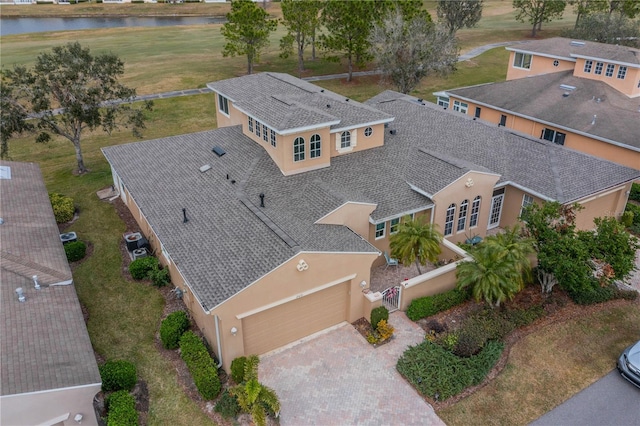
<point>580,94</point>
<point>289,204</point>
<point>49,372</point>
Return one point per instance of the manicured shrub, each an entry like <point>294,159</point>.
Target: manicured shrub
<point>385,330</point>
<point>435,371</point>
<point>592,296</point>
<point>378,314</point>
<point>140,268</point>
<point>121,409</point>
<point>228,405</point>
<point>470,341</point>
<point>75,250</point>
<point>635,192</point>
<point>627,218</point>
<point>237,369</point>
<point>523,317</point>
<point>159,277</point>
<point>63,208</point>
<point>118,375</point>
<point>172,328</point>
<point>636,212</point>
<point>200,364</point>
<point>430,305</point>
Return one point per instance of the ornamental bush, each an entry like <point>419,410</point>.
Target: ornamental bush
<point>121,409</point>
<point>63,208</point>
<point>75,250</point>
<point>228,405</point>
<point>237,369</point>
<point>118,375</point>
<point>200,365</point>
<point>378,314</point>
<point>423,307</point>
<point>172,328</point>
<point>635,192</point>
<point>159,277</point>
<point>140,268</point>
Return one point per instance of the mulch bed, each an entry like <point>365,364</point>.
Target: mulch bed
<point>364,328</point>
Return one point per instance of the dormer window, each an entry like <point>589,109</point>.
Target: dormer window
<point>587,66</point>
<point>522,60</point>
<point>258,127</point>
<point>298,149</point>
<point>599,66</point>
<point>265,133</point>
<point>315,146</point>
<point>345,139</point>
<point>273,138</point>
<point>622,72</point>
<point>250,125</point>
<point>223,105</point>
<point>609,72</point>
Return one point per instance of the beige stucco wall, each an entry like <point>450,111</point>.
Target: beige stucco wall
<point>353,215</point>
<point>539,65</point>
<point>48,406</point>
<point>628,85</point>
<point>359,141</point>
<point>458,191</point>
<point>605,203</point>
<point>512,205</point>
<point>285,152</point>
<point>383,243</point>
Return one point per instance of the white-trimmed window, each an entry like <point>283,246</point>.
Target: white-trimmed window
<point>368,131</point>
<point>380,228</point>
<point>622,72</point>
<point>298,149</point>
<point>448,221</point>
<point>251,124</point>
<point>599,66</point>
<point>609,71</point>
<point>522,60</point>
<point>527,200</point>
<point>315,146</point>
<point>223,104</point>
<point>443,102</point>
<point>475,212</point>
<point>273,138</point>
<point>460,107</point>
<point>587,66</point>
<point>462,216</point>
<point>553,136</point>
<point>345,139</point>
<point>258,127</point>
<point>394,225</point>
<point>265,133</point>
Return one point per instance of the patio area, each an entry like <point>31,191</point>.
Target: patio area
<point>383,277</point>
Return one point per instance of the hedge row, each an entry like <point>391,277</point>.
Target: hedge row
<point>122,409</point>
<point>447,374</point>
<point>430,305</point>
<point>200,364</point>
<point>172,328</point>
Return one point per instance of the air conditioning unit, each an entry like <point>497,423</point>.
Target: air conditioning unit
<point>132,240</point>
<point>139,253</point>
<point>68,237</point>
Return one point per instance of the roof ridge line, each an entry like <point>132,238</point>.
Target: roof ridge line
<point>554,166</point>
<point>17,265</point>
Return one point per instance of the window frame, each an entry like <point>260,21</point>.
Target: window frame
<point>622,72</point>
<point>527,200</point>
<point>522,63</point>
<point>345,139</point>
<point>380,232</point>
<point>475,212</point>
<point>265,133</point>
<point>298,149</point>
<point>449,218</point>
<point>599,68</point>
<point>609,70</point>
<point>460,106</point>
<point>462,216</point>
<point>556,136</point>
<point>250,124</point>
<point>223,104</point>
<point>258,127</point>
<point>315,151</point>
<point>394,225</point>
<point>503,120</point>
<point>273,137</point>
<point>588,65</point>
<point>368,130</point>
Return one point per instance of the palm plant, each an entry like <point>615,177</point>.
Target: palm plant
<point>253,396</point>
<point>416,241</point>
<point>515,248</point>
<point>491,274</point>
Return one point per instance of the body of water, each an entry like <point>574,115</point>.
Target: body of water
<point>33,25</point>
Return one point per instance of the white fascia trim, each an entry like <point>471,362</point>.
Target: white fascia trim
<point>525,189</point>
<point>15,395</point>
<point>612,61</point>
<point>401,215</point>
<point>545,55</point>
<point>462,177</point>
<point>67,282</point>
<point>217,92</point>
<point>548,123</point>
<point>340,207</point>
<point>297,296</point>
<point>56,420</point>
<point>420,191</point>
<point>600,194</point>
<point>441,94</point>
<point>288,131</point>
<point>361,125</point>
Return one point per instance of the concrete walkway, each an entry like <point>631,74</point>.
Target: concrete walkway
<point>337,378</point>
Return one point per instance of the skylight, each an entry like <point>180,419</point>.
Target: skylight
<point>577,43</point>
<point>5,172</point>
<point>567,87</point>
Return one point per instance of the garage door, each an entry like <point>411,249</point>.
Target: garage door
<point>294,320</point>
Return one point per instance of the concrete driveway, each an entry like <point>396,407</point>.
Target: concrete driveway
<point>337,378</point>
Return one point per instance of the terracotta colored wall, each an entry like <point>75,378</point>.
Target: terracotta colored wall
<point>539,65</point>
<point>628,85</point>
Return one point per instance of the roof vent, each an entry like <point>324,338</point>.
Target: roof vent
<point>321,90</point>
<point>346,100</point>
<point>420,100</point>
<point>261,199</point>
<point>328,106</point>
<point>20,292</point>
<point>577,43</point>
<point>567,87</point>
<point>218,151</point>
<point>594,119</point>
<point>205,168</point>
<point>566,94</point>
<point>392,131</point>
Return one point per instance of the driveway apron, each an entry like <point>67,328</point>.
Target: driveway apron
<point>337,378</point>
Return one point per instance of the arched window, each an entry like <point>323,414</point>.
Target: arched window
<point>345,139</point>
<point>298,149</point>
<point>475,211</point>
<point>315,146</point>
<point>462,217</point>
<point>448,221</point>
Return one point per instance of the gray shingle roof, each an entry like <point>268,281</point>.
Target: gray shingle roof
<point>564,48</point>
<point>284,102</point>
<point>542,98</point>
<point>44,343</point>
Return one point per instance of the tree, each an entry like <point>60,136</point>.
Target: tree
<point>584,8</point>
<point>408,51</point>
<point>416,241</point>
<point>457,14</point>
<point>493,276</point>
<point>629,8</point>
<point>515,248</point>
<point>301,17</point>
<point>83,89</point>
<point>253,397</point>
<point>538,11</point>
<point>348,24</point>
<point>247,31</point>
<point>13,116</point>
<point>614,28</point>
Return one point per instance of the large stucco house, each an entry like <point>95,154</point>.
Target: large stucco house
<point>580,94</point>
<point>49,371</point>
<point>291,201</point>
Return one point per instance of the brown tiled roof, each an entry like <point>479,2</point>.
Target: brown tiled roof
<point>566,48</point>
<point>44,343</point>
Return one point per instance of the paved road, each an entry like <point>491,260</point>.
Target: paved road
<point>609,401</point>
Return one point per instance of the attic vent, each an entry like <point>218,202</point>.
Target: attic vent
<point>567,87</point>
<point>576,43</point>
<point>205,168</point>
<point>218,151</point>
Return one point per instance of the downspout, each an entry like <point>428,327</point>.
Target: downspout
<point>218,340</point>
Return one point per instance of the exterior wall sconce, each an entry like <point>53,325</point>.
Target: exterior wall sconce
<point>234,331</point>
<point>469,183</point>
<point>363,284</point>
<point>302,265</point>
